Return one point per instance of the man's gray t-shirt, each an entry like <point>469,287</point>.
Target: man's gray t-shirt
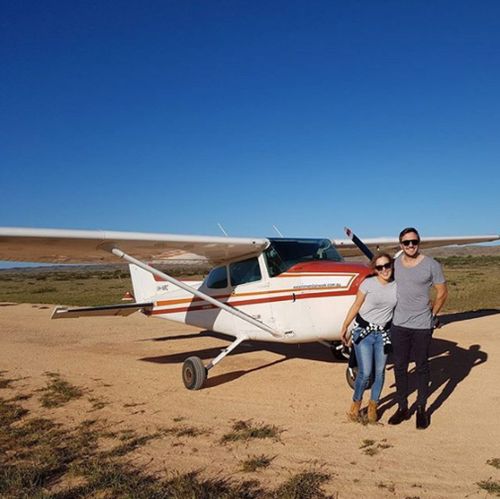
<point>380,300</point>
<point>413,307</point>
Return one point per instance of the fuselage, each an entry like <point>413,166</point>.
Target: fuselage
<point>306,301</point>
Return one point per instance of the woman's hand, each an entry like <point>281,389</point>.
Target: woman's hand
<point>346,339</point>
<point>351,314</point>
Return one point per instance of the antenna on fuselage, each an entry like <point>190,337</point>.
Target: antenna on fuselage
<point>222,229</point>
<point>278,231</point>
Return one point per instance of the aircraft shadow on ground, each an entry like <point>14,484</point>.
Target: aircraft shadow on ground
<point>450,364</point>
<point>222,379</point>
<point>309,351</point>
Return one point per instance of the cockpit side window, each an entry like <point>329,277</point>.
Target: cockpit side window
<point>275,264</point>
<point>245,271</point>
<point>217,279</point>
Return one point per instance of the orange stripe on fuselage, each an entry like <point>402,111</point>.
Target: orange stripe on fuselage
<point>207,306</point>
<point>256,293</point>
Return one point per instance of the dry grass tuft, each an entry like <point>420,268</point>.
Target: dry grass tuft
<point>189,431</point>
<point>130,445</point>
<point>20,397</point>
<point>491,486</point>
<point>305,485</point>
<point>254,463</point>
<point>370,449</point>
<point>495,462</point>
<point>10,413</point>
<point>367,443</point>
<point>246,430</point>
<point>58,391</point>
<point>184,431</point>
<point>5,383</point>
<point>97,403</point>
<point>389,486</point>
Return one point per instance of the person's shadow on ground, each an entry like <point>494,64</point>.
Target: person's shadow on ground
<point>449,365</point>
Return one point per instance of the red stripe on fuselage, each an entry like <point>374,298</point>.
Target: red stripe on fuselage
<point>208,306</point>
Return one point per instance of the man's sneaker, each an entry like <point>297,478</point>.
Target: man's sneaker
<point>422,418</point>
<point>399,416</point>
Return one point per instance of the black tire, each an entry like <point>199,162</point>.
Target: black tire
<point>194,373</point>
<point>350,375</point>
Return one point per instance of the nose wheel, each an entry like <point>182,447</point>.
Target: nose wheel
<point>194,373</point>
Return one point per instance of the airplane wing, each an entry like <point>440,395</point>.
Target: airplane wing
<point>92,246</point>
<point>89,246</point>
<point>347,248</point>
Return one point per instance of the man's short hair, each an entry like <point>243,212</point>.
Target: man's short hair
<point>407,231</point>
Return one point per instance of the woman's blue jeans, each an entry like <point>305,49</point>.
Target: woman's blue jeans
<point>371,357</point>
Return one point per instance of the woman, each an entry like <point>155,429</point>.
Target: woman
<point>372,311</point>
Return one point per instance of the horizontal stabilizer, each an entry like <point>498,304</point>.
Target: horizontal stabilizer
<point>105,310</point>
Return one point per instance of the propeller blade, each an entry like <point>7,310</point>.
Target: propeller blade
<point>360,244</point>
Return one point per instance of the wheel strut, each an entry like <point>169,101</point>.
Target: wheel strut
<point>194,373</point>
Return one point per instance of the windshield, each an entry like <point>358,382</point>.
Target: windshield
<point>284,253</point>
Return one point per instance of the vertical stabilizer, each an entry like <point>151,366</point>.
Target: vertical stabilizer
<point>144,284</point>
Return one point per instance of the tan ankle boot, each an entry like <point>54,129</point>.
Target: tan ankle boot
<point>372,411</point>
<point>353,413</point>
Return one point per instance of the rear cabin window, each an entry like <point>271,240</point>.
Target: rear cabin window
<point>245,271</point>
<point>217,278</point>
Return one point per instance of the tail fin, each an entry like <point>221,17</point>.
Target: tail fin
<point>144,284</point>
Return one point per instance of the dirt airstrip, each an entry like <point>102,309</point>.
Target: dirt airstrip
<point>132,366</point>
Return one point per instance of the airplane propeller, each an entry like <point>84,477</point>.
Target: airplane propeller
<point>360,244</point>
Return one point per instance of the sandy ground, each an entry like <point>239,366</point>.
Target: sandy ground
<point>134,366</point>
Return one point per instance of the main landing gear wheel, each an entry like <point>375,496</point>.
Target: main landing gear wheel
<point>350,375</point>
<point>194,373</point>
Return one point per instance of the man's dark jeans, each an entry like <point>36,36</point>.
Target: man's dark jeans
<point>414,342</point>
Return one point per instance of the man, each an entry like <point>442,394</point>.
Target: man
<point>414,320</point>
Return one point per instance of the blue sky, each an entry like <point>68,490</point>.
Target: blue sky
<point>171,116</point>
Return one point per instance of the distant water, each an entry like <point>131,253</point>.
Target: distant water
<point>24,265</point>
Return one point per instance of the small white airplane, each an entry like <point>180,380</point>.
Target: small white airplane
<point>285,290</point>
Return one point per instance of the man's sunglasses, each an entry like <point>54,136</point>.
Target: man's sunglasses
<point>413,242</point>
<point>386,266</point>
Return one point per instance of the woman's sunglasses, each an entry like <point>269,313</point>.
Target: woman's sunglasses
<point>413,242</point>
<point>386,266</point>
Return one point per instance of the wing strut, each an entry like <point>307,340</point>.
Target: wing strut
<point>238,313</point>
